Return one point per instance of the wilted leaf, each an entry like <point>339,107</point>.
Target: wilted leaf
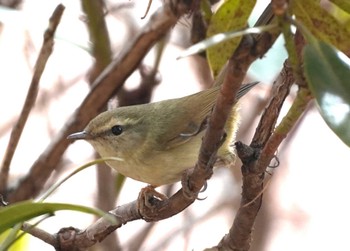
<point>328,73</point>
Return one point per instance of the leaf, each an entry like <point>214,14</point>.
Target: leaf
<point>343,4</point>
<point>328,72</point>
<point>232,15</point>
<point>26,210</point>
<point>321,24</point>
<point>81,168</point>
<point>222,37</point>
<point>21,244</point>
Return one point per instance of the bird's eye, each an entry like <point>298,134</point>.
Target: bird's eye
<point>117,130</point>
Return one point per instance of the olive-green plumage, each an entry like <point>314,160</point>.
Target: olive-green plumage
<point>158,141</point>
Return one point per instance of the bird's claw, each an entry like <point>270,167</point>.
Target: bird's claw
<point>149,198</point>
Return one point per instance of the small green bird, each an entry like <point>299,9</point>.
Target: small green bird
<point>156,142</point>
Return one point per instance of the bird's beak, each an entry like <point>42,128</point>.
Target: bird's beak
<point>80,135</point>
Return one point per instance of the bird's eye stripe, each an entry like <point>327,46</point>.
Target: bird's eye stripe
<point>117,130</point>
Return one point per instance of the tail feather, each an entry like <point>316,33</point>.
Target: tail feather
<point>246,88</point>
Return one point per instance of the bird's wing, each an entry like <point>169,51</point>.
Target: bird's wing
<point>201,105</point>
<point>195,111</point>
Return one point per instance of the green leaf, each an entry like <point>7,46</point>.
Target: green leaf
<point>119,183</point>
<point>21,244</point>
<point>232,15</point>
<point>81,168</point>
<point>26,210</point>
<point>343,4</point>
<point>206,10</point>
<point>328,72</point>
<point>321,24</point>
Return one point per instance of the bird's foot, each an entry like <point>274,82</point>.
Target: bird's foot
<point>149,198</point>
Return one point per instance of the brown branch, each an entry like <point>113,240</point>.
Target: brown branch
<point>247,52</point>
<point>287,124</point>
<point>40,234</point>
<point>250,48</point>
<point>102,53</point>
<point>56,91</point>
<point>239,236</point>
<point>150,78</point>
<point>195,178</point>
<point>147,9</point>
<point>269,117</point>
<point>106,84</point>
<point>73,238</point>
<point>32,93</point>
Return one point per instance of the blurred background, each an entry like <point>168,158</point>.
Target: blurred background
<point>305,204</point>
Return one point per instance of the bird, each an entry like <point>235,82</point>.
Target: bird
<point>156,142</point>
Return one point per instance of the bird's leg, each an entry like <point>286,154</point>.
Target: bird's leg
<point>149,197</point>
<point>187,191</point>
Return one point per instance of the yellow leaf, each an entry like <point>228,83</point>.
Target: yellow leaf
<point>321,24</point>
<point>232,15</point>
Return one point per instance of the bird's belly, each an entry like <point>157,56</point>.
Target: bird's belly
<point>164,167</point>
<point>155,175</point>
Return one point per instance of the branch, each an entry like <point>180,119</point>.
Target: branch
<point>264,140</point>
<point>40,234</point>
<point>103,88</point>
<point>32,94</point>
<point>239,236</point>
<point>195,178</point>
<point>248,51</point>
<point>102,53</point>
<point>98,33</point>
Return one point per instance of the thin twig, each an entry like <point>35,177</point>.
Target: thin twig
<point>41,234</point>
<point>32,93</point>
<point>147,9</point>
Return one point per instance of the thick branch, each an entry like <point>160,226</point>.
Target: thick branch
<point>239,237</point>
